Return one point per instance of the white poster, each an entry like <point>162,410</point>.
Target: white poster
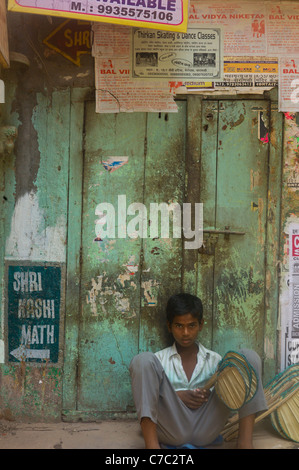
<point>244,27</point>
<point>194,55</point>
<point>282,28</point>
<point>294,278</point>
<point>116,91</point>
<point>289,84</point>
<point>292,329</point>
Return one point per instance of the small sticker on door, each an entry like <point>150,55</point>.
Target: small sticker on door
<point>113,163</point>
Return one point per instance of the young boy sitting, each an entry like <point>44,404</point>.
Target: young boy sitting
<point>173,406</point>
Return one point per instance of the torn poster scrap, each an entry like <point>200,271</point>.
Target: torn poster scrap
<point>288,84</point>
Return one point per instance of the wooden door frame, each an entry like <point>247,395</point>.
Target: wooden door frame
<point>73,262</point>
<point>190,259</point>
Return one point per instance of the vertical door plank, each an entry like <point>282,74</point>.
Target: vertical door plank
<point>162,257</point>
<point>208,178</point>
<point>242,170</point>
<point>273,243</point>
<point>192,187</point>
<point>73,249</point>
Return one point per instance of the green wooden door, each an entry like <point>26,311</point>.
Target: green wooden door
<point>129,159</point>
<point>234,191</point>
<point>214,152</point>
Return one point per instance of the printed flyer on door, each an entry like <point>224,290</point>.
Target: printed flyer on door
<point>291,326</point>
<point>196,54</point>
<point>116,90</point>
<point>288,89</point>
<point>243,24</point>
<point>282,28</point>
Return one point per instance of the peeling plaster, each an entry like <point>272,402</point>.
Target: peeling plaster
<point>93,293</point>
<point>124,277</point>
<point>30,238</point>
<point>99,294</point>
<point>149,296</point>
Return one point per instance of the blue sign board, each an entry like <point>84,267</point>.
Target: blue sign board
<point>33,312</point>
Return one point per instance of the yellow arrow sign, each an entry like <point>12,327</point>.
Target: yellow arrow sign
<point>71,39</point>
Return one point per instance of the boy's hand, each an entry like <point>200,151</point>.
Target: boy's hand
<point>194,398</point>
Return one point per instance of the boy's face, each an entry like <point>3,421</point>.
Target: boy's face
<point>185,329</point>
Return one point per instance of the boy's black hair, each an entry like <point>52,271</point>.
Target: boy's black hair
<point>181,304</point>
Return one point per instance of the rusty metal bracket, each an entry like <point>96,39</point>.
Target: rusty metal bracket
<point>208,246</point>
<point>226,232</point>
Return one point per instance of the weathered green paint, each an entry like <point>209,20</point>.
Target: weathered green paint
<point>51,120</point>
<point>112,294</point>
<point>78,98</point>
<point>113,310</point>
<point>208,179</point>
<point>164,182</point>
<point>239,277</point>
<point>34,219</point>
<point>45,174</point>
<point>243,295</point>
<point>108,335</point>
<point>209,152</point>
<point>192,186</point>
